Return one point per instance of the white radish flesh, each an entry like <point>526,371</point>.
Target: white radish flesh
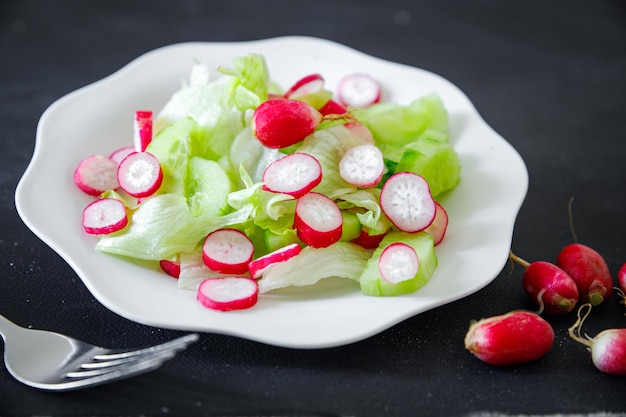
<point>228,293</point>
<point>406,201</point>
<point>362,166</point>
<point>140,174</point>
<point>318,220</point>
<point>306,85</point>
<point>358,90</point>
<point>294,174</point>
<point>104,216</point>
<point>142,130</point>
<point>439,226</point>
<point>260,265</point>
<point>228,251</point>
<point>96,174</point>
<point>398,262</point>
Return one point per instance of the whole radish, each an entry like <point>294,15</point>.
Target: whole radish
<point>512,338</point>
<point>608,348</point>
<point>589,270</point>
<point>621,283</point>
<point>548,285</point>
<point>281,123</point>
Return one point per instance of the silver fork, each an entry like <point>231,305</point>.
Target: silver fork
<point>52,361</point>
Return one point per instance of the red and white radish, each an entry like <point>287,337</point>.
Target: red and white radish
<point>281,123</point>
<point>260,265</point>
<point>228,293</point>
<point>509,339</point>
<point>358,90</point>
<point>407,202</point>
<point>318,220</point>
<point>119,154</point>
<point>227,251</point>
<point>142,130</point>
<point>608,348</point>
<point>548,285</point>
<point>439,226</point>
<point>398,262</point>
<point>589,270</point>
<point>104,216</point>
<point>362,166</point>
<point>295,174</point>
<point>171,268</point>
<point>96,174</point>
<point>621,278</point>
<point>307,85</point>
<point>140,174</point>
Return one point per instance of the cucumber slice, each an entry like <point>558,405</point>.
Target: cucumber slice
<point>437,162</point>
<point>373,284</point>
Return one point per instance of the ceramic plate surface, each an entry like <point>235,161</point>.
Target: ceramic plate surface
<point>95,120</point>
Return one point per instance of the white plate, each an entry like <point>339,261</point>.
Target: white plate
<point>98,119</point>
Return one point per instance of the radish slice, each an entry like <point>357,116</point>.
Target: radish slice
<point>398,262</point>
<point>104,216</point>
<point>140,174</point>
<point>171,268</point>
<point>119,154</point>
<point>318,220</point>
<point>358,90</point>
<point>228,293</point>
<point>306,85</point>
<point>362,166</point>
<point>143,130</point>
<point>332,107</point>
<point>259,265</point>
<point>406,201</point>
<point>439,226</point>
<point>96,174</point>
<point>294,174</point>
<point>369,241</point>
<point>228,251</point>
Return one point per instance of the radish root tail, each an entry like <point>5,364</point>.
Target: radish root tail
<point>574,331</point>
<point>570,217</point>
<point>518,260</point>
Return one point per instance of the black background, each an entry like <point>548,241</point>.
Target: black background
<point>547,75</point>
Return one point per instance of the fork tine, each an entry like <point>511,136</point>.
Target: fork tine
<point>176,345</point>
<point>101,368</point>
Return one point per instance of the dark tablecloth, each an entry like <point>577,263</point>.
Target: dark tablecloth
<point>549,76</point>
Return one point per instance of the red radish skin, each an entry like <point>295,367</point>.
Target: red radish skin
<point>142,130</point>
<point>332,107</point>
<point>228,293</point>
<point>171,268</point>
<point>407,202</point>
<point>280,123</point>
<point>358,90</point>
<point>96,174</point>
<point>608,348</point>
<point>621,278</point>
<point>119,154</point>
<point>140,174</point>
<point>294,174</point>
<point>307,85</point>
<point>398,262</point>
<point>260,265</point>
<point>228,251</point>
<point>368,241</point>
<point>510,339</point>
<point>439,226</point>
<point>362,166</point>
<point>589,270</point>
<point>548,285</point>
<point>318,220</point>
<point>104,216</point>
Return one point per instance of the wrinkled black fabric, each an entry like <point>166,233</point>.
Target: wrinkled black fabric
<point>548,76</point>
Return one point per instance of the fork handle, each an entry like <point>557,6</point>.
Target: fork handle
<point>7,327</point>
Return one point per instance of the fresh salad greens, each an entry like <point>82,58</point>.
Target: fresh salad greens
<point>207,140</point>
